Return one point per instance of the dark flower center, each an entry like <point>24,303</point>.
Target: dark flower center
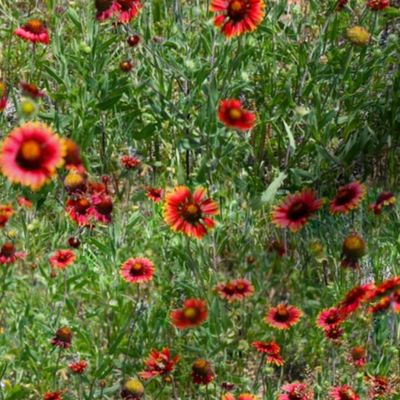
<point>125,4</point>
<point>333,317</point>
<point>229,289</point>
<point>346,394</point>
<point>34,26</point>
<point>191,313</point>
<point>298,211</point>
<point>136,269</point>
<point>8,250</point>
<point>105,207</point>
<point>343,196</point>
<point>30,155</point>
<point>282,314</point>
<point>191,212</point>
<point>237,9</point>
<point>64,334</point>
<point>103,5</point>
<point>358,353</point>
<point>82,205</point>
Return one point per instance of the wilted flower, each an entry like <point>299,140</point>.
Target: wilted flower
<point>202,373</point>
<point>62,338</point>
<point>159,363</point>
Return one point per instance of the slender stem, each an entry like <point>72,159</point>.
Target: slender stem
<point>259,369</point>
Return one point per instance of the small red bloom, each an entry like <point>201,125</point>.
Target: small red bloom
<point>192,314</point>
<point>382,305</point>
<point>159,363</point>
<point>330,317</point>
<point>31,90</point>
<point>123,10</point>
<point>34,31</point>
<point>295,211</point>
<point>202,373</point>
<point>232,114</point>
<point>137,270</point>
<point>236,290</point>
<point>129,162</point>
<point>61,259</point>
<point>102,207</point>
<point>78,367</point>
<point>62,338</point>
<point>133,40</point>
<point>380,387</point>
<point>235,17</point>
<point>355,297</point>
<point>296,391</point>
<point>377,5</point>
<point>189,213</point>
<point>6,212</point>
<point>78,209</point>
<point>334,333</point>
<point>154,194</point>
<point>272,351</point>
<point>283,317</point>
<point>8,255</point>
<point>385,199</point>
<point>358,356</point>
<point>125,66</point>
<point>344,392</point>
<point>53,395</point>
<point>74,242</point>
<point>347,198</point>
<point>24,202</point>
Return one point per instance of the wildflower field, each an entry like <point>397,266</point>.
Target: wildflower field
<point>198,199</point>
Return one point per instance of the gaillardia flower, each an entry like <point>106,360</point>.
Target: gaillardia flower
<point>330,317</point>
<point>296,391</point>
<point>78,367</point>
<point>78,209</point>
<point>235,17</point>
<point>62,338</point>
<point>189,213</point>
<point>34,31</point>
<point>154,194</point>
<point>347,198</point>
<point>9,255</point>
<point>295,211</point>
<point>355,297</point>
<point>232,114</point>
<point>53,395</point>
<point>353,249</point>
<point>159,363</point>
<point>123,10</point>
<point>271,350</point>
<point>235,290</point>
<point>378,5</point>
<point>132,389</point>
<point>202,373</point>
<point>283,317</point>
<point>61,259</point>
<point>192,314</point>
<point>358,356</point>
<point>384,200</point>
<point>137,270</point>
<point>380,387</point>
<point>31,90</point>
<point>30,154</point>
<point>344,392</point>
<point>102,206</point>
<point>129,162</point>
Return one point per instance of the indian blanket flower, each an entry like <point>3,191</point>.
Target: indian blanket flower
<point>283,317</point>
<point>387,286</point>
<point>235,290</point>
<point>295,211</point>
<point>358,35</point>
<point>271,350</point>
<point>330,317</point>
<point>235,17</point>
<point>62,259</point>
<point>356,297</point>
<point>31,90</point>
<point>379,387</point>
<point>353,249</point>
<point>192,314</point>
<point>132,389</point>
<point>62,338</point>
<point>78,209</point>
<point>75,182</point>
<point>34,31</point>
<point>154,194</point>
<point>123,10</point>
<point>137,270</point>
<point>347,198</point>
<point>232,114</point>
<point>78,367</point>
<point>334,333</point>
<point>381,305</point>
<point>102,207</point>
<point>159,363</point>
<point>202,373</point>
<point>377,5</point>
<point>129,162</point>
<point>358,356</point>
<point>9,255</point>
<point>296,391</point>
<point>344,392</point>
<point>30,154</point>
<point>189,213</point>
<point>384,200</point>
<point>53,395</point>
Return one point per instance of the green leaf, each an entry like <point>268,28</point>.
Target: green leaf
<point>270,192</point>
<point>290,135</point>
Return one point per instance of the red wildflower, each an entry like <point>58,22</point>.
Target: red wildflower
<point>358,356</point>
<point>233,115</point>
<point>61,259</point>
<point>30,154</point>
<point>6,211</point>
<point>379,387</point>
<point>125,66</point>
<point>283,317</point>
<point>133,40</point>
<point>137,270</point>
<point>347,198</point>
<point>75,182</point>
<point>24,202</point>
<point>355,297</point>
<point>189,213</point>
<point>159,363</point>
<point>123,10</point>
<point>334,333</point>
<point>235,17</point>
<point>53,395</point>
<point>377,5</point>
<point>78,367</point>
<point>192,314</point>
<point>74,242</point>
<point>129,162</point>
<point>381,305</point>
<point>8,255</point>
<point>344,392</point>
<point>236,290</point>
<point>154,194</point>
<point>385,199</point>
<point>62,338</point>
<point>387,286</point>
<point>202,373</point>
<point>272,351</point>
<point>34,31</point>
<point>296,391</point>
<point>31,90</point>
<point>102,207</point>
<point>78,209</point>
<point>330,317</point>
<point>295,211</point>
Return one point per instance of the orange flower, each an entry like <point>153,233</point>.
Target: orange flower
<point>283,317</point>
<point>159,363</point>
<point>61,259</point>
<point>192,314</point>
<point>137,270</point>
